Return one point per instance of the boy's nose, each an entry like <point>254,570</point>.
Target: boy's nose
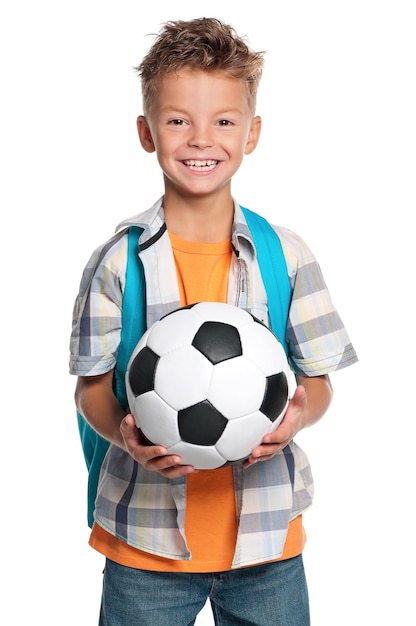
<point>201,138</point>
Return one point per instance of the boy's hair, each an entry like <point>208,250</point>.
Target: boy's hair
<point>202,44</point>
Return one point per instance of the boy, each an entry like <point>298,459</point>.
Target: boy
<point>173,536</point>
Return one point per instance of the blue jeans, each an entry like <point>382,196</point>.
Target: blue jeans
<point>273,594</point>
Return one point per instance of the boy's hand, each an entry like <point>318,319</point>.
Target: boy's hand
<point>152,458</point>
<point>309,403</point>
<point>284,433</point>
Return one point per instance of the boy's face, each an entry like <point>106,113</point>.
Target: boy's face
<point>201,126</point>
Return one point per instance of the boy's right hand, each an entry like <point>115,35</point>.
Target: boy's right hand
<point>152,458</point>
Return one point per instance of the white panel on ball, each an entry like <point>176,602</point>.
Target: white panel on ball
<point>202,457</point>
<point>232,446</point>
<point>263,348</point>
<point>172,332</point>
<point>183,377</point>
<point>156,419</point>
<point>220,312</point>
<point>237,387</point>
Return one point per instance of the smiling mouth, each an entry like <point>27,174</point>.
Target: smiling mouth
<point>200,166</point>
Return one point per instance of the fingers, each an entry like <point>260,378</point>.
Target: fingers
<point>168,465</point>
<point>278,439</point>
<point>152,458</point>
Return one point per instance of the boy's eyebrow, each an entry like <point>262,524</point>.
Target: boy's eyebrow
<point>177,110</point>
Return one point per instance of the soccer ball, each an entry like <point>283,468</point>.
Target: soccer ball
<point>208,381</point>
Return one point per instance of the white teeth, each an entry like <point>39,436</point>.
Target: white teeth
<point>200,166</point>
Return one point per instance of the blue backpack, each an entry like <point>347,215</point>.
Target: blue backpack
<point>276,281</point>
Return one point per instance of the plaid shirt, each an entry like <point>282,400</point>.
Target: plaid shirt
<point>143,508</point>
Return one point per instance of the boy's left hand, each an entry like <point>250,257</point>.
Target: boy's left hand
<point>284,433</point>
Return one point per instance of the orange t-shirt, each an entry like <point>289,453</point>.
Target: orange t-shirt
<point>211,520</point>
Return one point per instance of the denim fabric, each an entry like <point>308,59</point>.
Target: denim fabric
<point>273,594</point>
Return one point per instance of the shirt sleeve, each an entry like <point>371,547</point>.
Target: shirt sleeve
<point>318,341</point>
<point>96,321</point>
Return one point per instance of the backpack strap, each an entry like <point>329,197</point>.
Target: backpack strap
<point>133,326</point>
<point>94,448</point>
<point>273,271</point>
<point>133,312</point>
<point>276,281</point>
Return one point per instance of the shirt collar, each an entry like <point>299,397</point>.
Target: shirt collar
<point>153,222</point>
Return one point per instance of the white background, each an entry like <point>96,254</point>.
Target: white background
<point>336,163</point>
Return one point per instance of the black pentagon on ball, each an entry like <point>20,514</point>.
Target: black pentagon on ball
<point>275,396</point>
<point>201,424</point>
<point>218,341</point>
<point>142,371</point>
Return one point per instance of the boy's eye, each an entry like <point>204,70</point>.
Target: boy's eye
<point>176,122</point>
<point>224,123</point>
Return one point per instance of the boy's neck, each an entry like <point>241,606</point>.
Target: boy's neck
<point>199,219</point>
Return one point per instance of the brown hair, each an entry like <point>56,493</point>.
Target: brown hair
<point>205,44</point>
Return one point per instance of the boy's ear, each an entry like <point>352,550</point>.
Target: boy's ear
<point>145,135</point>
<point>253,135</point>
